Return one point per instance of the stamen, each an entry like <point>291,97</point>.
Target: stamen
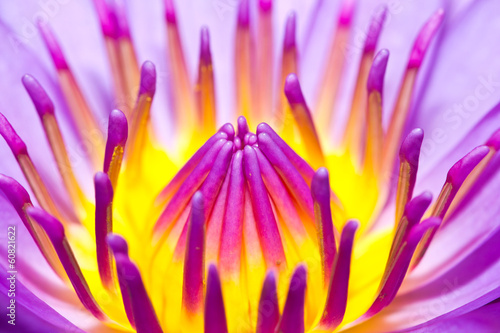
<point>390,287</point>
<point>194,268</point>
<point>304,121</point>
<point>292,178</point>
<point>115,145</point>
<point>375,132</point>
<point>188,187</point>
<point>402,106</point>
<point>215,315</point>
<point>20,200</point>
<point>131,283</point>
<point>18,148</point>
<point>189,167</point>
<point>45,109</point>
<point>264,78</point>
<point>243,66</point>
<point>355,125</point>
<point>269,312</point>
<point>292,319</point>
<point>288,66</point>
<point>242,128</point>
<point>320,190</point>
<point>80,111</point>
<point>336,301</point>
<point>103,226</point>
<point>206,88</point>
<point>328,89</point>
<point>140,118</point>
<point>409,154</point>
<point>181,85</point>
<point>55,231</point>
<point>267,227</point>
<point>454,180</point>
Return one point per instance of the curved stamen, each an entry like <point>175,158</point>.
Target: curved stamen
<point>292,319</point>
<point>194,267</point>
<point>115,145</point>
<point>336,301</point>
<point>374,131</point>
<point>215,315</point>
<point>20,200</point>
<point>409,155</point>
<point>18,148</point>
<point>454,180</point>
<point>103,226</point>
<point>320,190</point>
<point>269,312</point>
<point>55,231</point>
<point>45,109</point>
<point>206,87</point>
<point>304,121</point>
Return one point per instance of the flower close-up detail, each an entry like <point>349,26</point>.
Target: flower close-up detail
<point>249,166</point>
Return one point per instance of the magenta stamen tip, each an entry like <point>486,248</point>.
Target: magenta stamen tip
<point>229,130</point>
<point>375,28</point>
<point>108,25</point>
<point>205,54</point>
<point>244,14</point>
<point>265,5</point>
<point>346,12</point>
<point>16,194</point>
<point>148,79</point>
<point>50,224</point>
<point>117,128</point>
<point>410,148</point>
<point>320,186</point>
<point>43,104</point>
<point>293,91</point>
<point>291,23</point>
<point>242,128</point>
<point>424,39</point>
<point>215,315</point>
<point>416,208</point>
<point>117,243</point>
<point>104,189</point>
<point>460,170</point>
<point>292,319</point>
<point>494,141</point>
<point>53,46</point>
<point>375,80</point>
<point>10,136</point>
<point>170,11</point>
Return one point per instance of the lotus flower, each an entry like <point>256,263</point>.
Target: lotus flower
<point>253,191</point>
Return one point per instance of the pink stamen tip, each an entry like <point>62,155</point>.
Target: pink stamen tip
<point>50,224</point>
<point>205,54</point>
<point>293,91</point>
<point>424,39</point>
<point>117,135</point>
<point>375,28</point>
<point>460,170</point>
<point>494,141</point>
<point>346,13</point>
<point>269,312</point>
<point>242,128</point>
<point>320,190</point>
<point>170,12</point>
<point>117,243</point>
<point>53,46</point>
<point>375,80</point>
<point>192,294</point>
<point>143,313</point>
<point>416,208</point>
<point>291,23</point>
<point>108,25</point>
<point>265,5</point>
<point>335,307</point>
<point>121,18</point>
<point>43,104</point>
<point>292,319</point>
<point>244,14</point>
<point>148,79</point>
<point>410,148</point>
<point>229,130</point>
<point>10,136</point>
<point>215,315</point>
<point>15,193</point>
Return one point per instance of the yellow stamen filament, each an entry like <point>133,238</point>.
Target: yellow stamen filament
<point>129,66</point>
<point>206,91</point>
<point>243,70</point>
<point>115,165</point>
<point>288,66</point>
<point>264,79</point>
<point>125,100</point>
<point>403,189</point>
<point>374,135</point>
